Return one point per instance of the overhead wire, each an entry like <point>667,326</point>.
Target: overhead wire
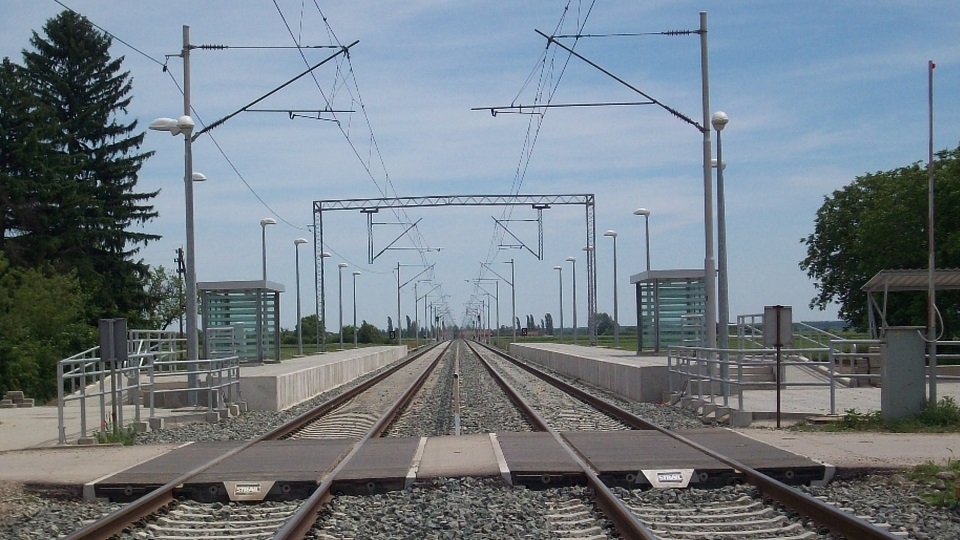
<point>373,148</point>
<point>198,117</point>
<point>548,85</point>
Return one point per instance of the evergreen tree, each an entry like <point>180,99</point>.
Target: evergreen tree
<point>28,162</point>
<point>88,201</point>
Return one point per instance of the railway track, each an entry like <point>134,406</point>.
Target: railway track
<point>294,525</point>
<point>453,376</point>
<point>771,510</point>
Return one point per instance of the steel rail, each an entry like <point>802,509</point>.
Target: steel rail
<point>625,521</point>
<point>116,522</point>
<point>302,521</point>
<point>299,422</point>
<point>605,407</point>
<point>821,512</point>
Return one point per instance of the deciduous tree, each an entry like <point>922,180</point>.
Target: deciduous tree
<point>879,222</point>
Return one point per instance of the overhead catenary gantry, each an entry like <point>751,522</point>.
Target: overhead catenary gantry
<point>538,202</point>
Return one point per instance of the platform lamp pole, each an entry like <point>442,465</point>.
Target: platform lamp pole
<point>719,121</point>
<point>340,268</point>
<point>322,313</point>
<point>616,319</point>
<point>646,222</point>
<point>355,329</point>
<point>263,291</point>
<point>296,246</point>
<point>573,261</point>
<point>559,269</point>
<point>184,124</point>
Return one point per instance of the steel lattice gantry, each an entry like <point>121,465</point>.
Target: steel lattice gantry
<point>369,206</point>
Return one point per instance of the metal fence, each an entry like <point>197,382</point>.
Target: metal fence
<point>716,375</point>
<point>91,383</point>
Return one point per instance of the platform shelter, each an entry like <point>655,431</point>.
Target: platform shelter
<point>670,307</point>
<point>251,309</point>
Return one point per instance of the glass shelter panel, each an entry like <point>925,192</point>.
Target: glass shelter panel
<point>241,318</point>
<point>670,307</point>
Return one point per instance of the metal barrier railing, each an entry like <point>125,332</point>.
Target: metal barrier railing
<point>719,373</point>
<point>151,356</point>
<point>221,378</point>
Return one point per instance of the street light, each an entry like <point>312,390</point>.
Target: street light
<point>656,289</point>
<point>320,306</point>
<point>591,286</point>
<point>340,268</point>
<point>296,247</point>
<point>560,280</point>
<point>263,243</point>
<point>185,125</point>
<point>646,218</point>
<point>262,320</point>
<point>355,329</point>
<point>719,121</point>
<point>616,321</point>
<point>573,261</point>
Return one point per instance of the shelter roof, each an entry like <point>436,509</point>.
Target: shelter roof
<point>912,280</point>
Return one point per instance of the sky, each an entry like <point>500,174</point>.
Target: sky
<point>817,94</point>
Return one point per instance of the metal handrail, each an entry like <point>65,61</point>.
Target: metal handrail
<point>151,354</point>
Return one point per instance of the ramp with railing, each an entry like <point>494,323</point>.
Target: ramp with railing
<point>156,365</point>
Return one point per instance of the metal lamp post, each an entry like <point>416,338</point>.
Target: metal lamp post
<point>719,121</point>
<point>616,320</point>
<point>355,329</point>
<point>340,268</point>
<point>573,261</point>
<point>184,124</point>
<point>559,269</point>
<point>656,314</point>
<point>296,247</point>
<point>646,218</point>
<point>321,308</point>
<point>263,243</point>
<point>591,311</point>
<point>263,298</point>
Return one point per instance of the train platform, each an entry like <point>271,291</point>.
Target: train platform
<point>644,378</point>
<point>278,386</point>
<point>269,387</point>
<point>639,378</point>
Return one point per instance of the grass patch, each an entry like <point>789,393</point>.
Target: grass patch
<point>115,435</point>
<point>941,487</point>
<point>940,417</point>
